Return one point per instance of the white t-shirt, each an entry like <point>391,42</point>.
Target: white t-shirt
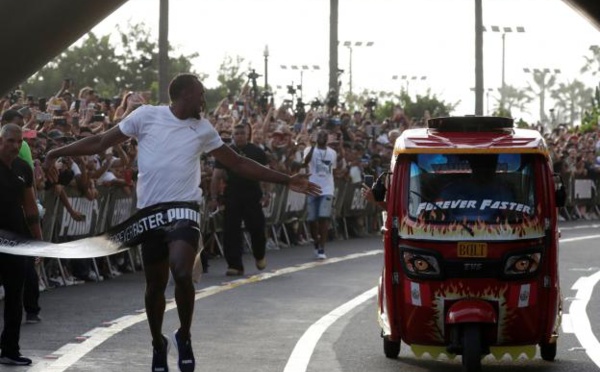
<point>355,174</point>
<point>169,152</point>
<point>321,167</point>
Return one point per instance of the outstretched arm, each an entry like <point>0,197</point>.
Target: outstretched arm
<point>250,169</point>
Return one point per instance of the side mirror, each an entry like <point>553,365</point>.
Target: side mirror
<point>560,193</point>
<point>379,188</point>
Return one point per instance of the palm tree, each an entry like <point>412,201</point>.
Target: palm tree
<point>512,97</point>
<point>573,99</point>
<point>592,63</point>
<point>544,83</point>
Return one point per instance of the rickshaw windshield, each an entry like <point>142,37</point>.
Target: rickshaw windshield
<point>490,188</point>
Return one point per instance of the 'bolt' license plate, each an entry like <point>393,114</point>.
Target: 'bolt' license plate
<point>472,250</point>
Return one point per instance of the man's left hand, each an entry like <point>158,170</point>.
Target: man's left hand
<point>300,183</point>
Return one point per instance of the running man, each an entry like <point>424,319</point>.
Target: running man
<point>171,140</point>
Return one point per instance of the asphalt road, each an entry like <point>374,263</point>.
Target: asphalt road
<point>299,315</point>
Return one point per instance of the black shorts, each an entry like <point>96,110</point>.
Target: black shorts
<point>156,247</point>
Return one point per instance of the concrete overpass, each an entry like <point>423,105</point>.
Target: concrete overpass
<point>35,31</point>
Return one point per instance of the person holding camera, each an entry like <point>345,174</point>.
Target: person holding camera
<point>321,161</point>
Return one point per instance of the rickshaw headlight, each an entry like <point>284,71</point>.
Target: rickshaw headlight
<point>522,264</point>
<point>419,264</point>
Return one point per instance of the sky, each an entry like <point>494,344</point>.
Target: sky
<point>431,38</point>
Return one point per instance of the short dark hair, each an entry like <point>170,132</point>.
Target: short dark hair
<point>180,83</point>
<point>240,126</point>
<point>10,115</point>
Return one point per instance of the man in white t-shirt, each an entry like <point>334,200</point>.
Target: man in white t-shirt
<point>171,140</point>
<point>321,161</point>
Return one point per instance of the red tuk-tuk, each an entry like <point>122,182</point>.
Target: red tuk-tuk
<point>470,243</point>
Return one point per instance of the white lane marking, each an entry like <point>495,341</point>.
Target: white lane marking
<point>579,238</point>
<point>580,227</point>
<point>566,323</point>
<point>68,355</point>
<point>298,361</point>
<point>579,319</point>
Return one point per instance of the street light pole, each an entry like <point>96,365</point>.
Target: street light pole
<point>350,67</point>
<point>349,45</point>
<point>163,52</point>
<point>302,68</point>
<point>504,31</point>
<point>503,60</point>
<point>408,79</point>
<point>266,55</point>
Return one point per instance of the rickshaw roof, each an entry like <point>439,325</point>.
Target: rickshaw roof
<point>470,134</point>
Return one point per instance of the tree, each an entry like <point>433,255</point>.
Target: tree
<point>592,63</point>
<point>111,68</point>
<point>513,98</point>
<point>573,99</point>
<point>591,117</point>
<point>544,81</point>
<point>413,109</point>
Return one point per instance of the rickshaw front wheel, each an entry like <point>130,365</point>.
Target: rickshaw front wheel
<point>391,348</point>
<point>548,351</point>
<point>472,349</point>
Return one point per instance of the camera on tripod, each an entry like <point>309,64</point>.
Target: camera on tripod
<point>316,103</point>
<point>253,75</point>
<point>332,99</point>
<point>371,103</point>
<point>263,100</point>
<point>299,110</point>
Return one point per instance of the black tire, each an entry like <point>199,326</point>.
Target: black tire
<point>471,353</point>
<point>548,351</point>
<point>391,349</point>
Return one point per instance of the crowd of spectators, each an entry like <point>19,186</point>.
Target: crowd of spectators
<point>576,156</point>
<point>364,143</point>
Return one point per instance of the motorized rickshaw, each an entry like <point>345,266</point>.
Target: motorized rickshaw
<point>470,242</point>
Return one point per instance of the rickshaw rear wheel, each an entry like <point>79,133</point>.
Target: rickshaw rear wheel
<point>471,343</point>
<point>548,351</point>
<point>391,348</point>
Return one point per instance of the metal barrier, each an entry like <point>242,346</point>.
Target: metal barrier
<point>581,192</point>
<point>113,206</point>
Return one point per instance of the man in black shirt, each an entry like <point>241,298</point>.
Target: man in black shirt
<point>242,200</point>
<point>19,215</point>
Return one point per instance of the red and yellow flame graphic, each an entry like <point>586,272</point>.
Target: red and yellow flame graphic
<point>527,228</point>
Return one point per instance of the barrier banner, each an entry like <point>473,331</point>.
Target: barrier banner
<point>295,206</point>
<point>354,201</point>
<point>50,203</point>
<point>129,233</point>
<point>66,228</point>
<point>119,207</point>
<point>583,189</point>
<point>338,198</point>
<point>273,210</point>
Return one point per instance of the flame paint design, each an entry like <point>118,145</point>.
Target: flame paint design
<point>458,290</point>
<point>529,227</point>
